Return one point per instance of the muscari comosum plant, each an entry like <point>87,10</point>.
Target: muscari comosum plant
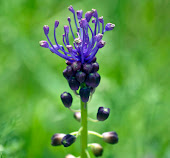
<point>82,76</point>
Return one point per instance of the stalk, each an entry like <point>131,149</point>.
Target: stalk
<point>84,133</point>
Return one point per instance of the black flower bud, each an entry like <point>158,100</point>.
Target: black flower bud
<point>76,65</point>
<point>68,62</point>
<point>56,139</point>
<point>84,94</point>
<point>77,116</point>
<point>73,83</point>
<point>80,76</point>
<point>68,140</point>
<point>97,149</point>
<point>65,74</point>
<point>110,137</point>
<point>95,67</point>
<point>87,68</point>
<point>103,113</point>
<point>93,80</point>
<point>66,99</point>
<point>70,156</point>
<point>94,59</point>
<point>70,71</point>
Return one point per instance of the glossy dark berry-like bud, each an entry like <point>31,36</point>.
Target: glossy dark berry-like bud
<point>94,59</point>
<point>77,116</point>
<point>66,99</point>
<point>76,65</point>
<point>68,140</point>
<point>84,94</point>
<point>103,113</point>
<point>70,70</point>
<point>73,83</point>
<point>110,137</point>
<point>56,139</point>
<point>97,149</point>
<point>87,68</point>
<point>95,67</point>
<point>80,76</point>
<point>93,80</point>
<point>70,156</point>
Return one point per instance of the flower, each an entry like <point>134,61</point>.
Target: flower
<point>103,113</point>
<point>86,43</point>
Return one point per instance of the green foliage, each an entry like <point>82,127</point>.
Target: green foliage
<point>134,66</point>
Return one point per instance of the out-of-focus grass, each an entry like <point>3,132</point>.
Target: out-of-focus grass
<point>134,66</point>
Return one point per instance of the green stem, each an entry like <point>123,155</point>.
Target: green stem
<point>84,129</point>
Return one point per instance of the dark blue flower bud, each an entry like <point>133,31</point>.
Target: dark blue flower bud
<point>83,23</point>
<point>95,67</point>
<point>97,149</point>
<point>56,139</point>
<point>101,19</point>
<point>73,83</point>
<point>68,62</point>
<point>80,76</point>
<point>88,15</point>
<point>77,116</point>
<point>66,28</point>
<point>98,37</point>
<point>76,65</point>
<point>103,113</point>
<point>44,44</point>
<point>56,24</point>
<point>110,137</point>
<point>94,59</point>
<point>84,94</point>
<point>94,11</point>
<point>87,68</point>
<point>46,29</point>
<point>70,156</point>
<point>70,8</point>
<point>70,71</point>
<point>93,80</point>
<point>69,19</point>
<point>79,14</point>
<point>66,99</point>
<point>68,140</point>
<point>109,26</point>
<point>65,74</point>
<point>93,20</point>
<point>101,44</point>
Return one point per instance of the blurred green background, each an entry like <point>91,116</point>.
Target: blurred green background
<point>134,66</point>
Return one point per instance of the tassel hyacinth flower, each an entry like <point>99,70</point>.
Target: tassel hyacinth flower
<point>82,75</point>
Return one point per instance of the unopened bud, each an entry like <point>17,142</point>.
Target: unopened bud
<point>69,19</point>
<point>84,94</point>
<point>56,139</point>
<point>110,137</point>
<point>101,19</point>
<point>94,59</point>
<point>73,83</point>
<point>95,67</point>
<point>103,113</point>
<point>83,23</point>
<point>46,29</point>
<point>93,20</point>
<point>97,149</point>
<point>68,62</point>
<point>66,99</point>
<point>109,26</point>
<point>88,15</point>
<point>98,37</point>
<point>69,48</point>
<point>44,44</point>
<point>101,44</point>
<point>56,24</point>
<point>87,68</point>
<point>93,80</point>
<point>77,116</point>
<point>79,14</point>
<point>68,140</point>
<point>70,8</point>
<point>76,65</point>
<point>80,76</point>
<point>66,28</point>
<point>70,70</point>
<point>94,11</point>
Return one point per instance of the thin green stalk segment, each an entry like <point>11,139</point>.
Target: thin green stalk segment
<point>84,133</point>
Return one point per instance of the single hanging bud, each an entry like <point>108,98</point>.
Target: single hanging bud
<point>65,74</point>
<point>68,140</point>
<point>56,139</point>
<point>66,99</point>
<point>110,137</point>
<point>73,83</point>
<point>84,94</point>
<point>44,44</point>
<point>77,116</point>
<point>97,149</point>
<point>76,65</point>
<point>103,113</point>
<point>80,76</point>
<point>46,29</point>
<point>95,67</point>
<point>87,68</point>
<point>101,44</point>
<point>70,156</point>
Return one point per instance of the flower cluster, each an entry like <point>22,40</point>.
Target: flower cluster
<point>81,71</point>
